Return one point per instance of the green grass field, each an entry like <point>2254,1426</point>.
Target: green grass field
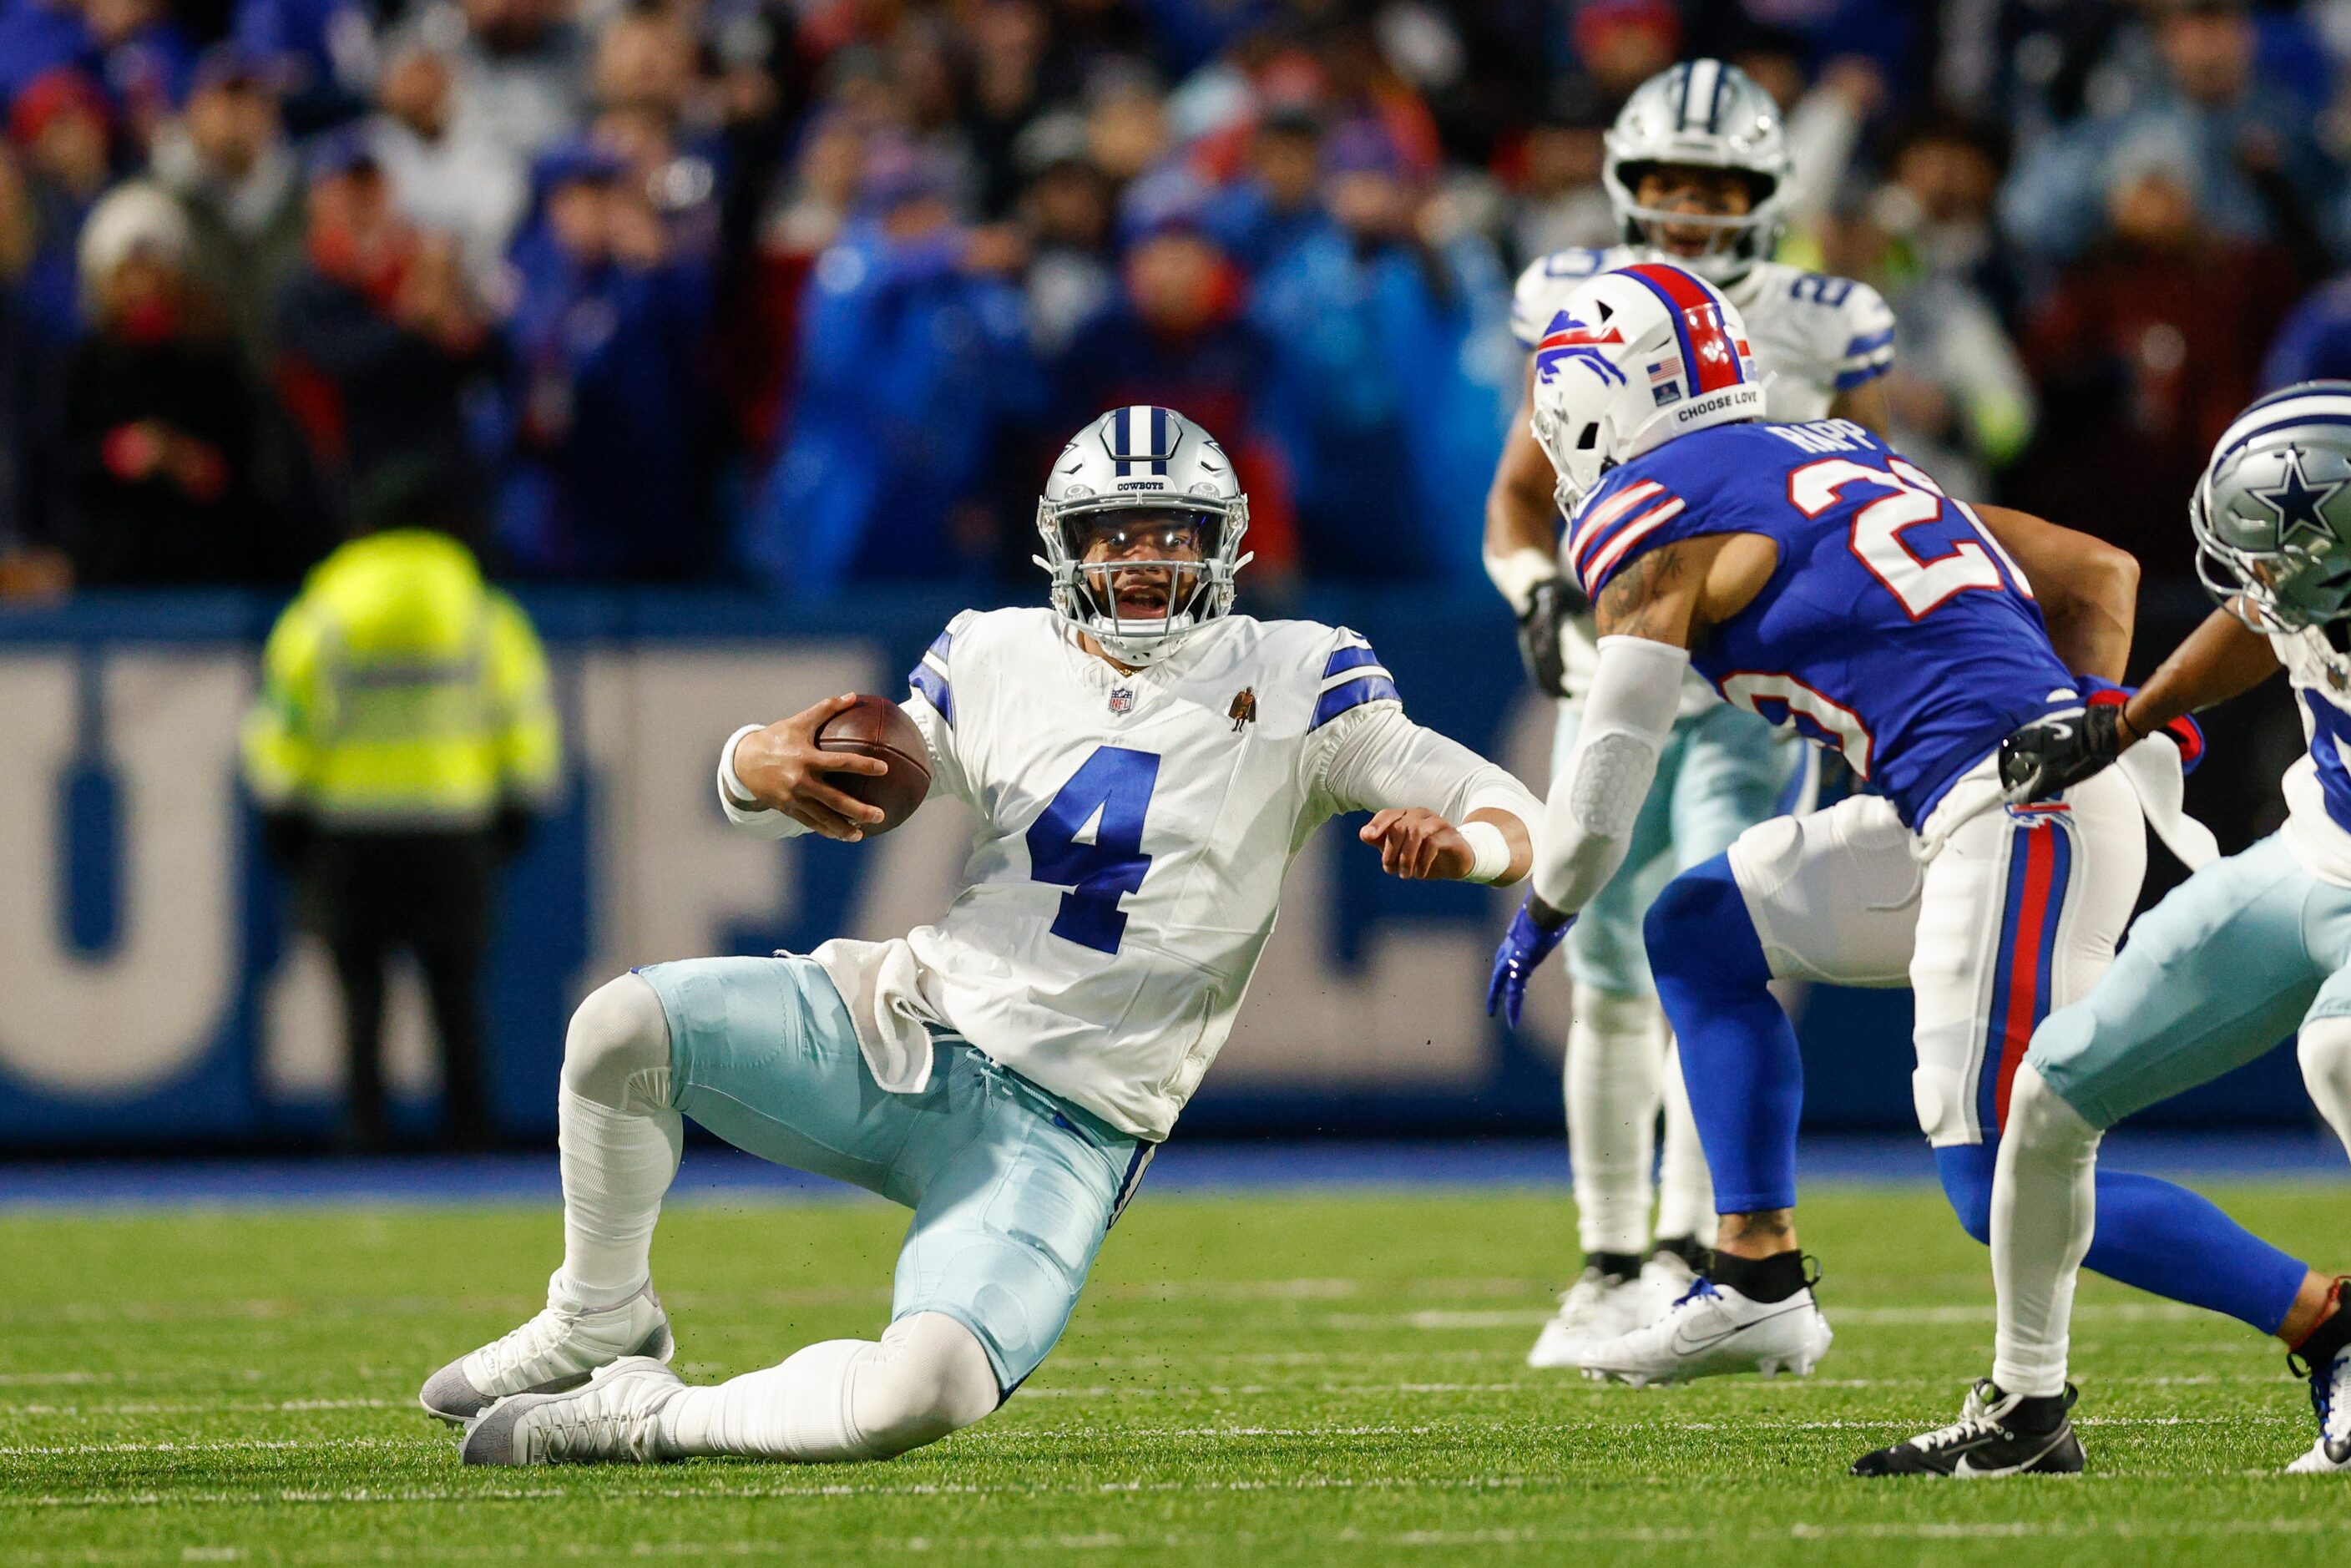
<point>1265,1379</point>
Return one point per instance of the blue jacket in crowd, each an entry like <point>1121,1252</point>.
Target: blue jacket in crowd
<point>911,371</point>
<point>1388,400</point>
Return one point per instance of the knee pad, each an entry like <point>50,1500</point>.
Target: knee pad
<point>929,1376</point>
<point>1967,1171</point>
<point>1700,935</point>
<point>2324,1048</point>
<point>616,1051</point>
<point>1613,1015</point>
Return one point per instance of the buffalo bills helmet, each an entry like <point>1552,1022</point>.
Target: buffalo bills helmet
<point>1633,359</point>
<point>1709,115</point>
<point>2272,513</point>
<point>1158,497</point>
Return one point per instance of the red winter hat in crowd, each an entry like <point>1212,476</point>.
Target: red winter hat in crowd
<point>55,92</point>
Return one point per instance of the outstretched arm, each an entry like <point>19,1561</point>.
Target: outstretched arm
<point>2088,589</point>
<point>1648,614</point>
<point>2221,659</point>
<point>1441,813</point>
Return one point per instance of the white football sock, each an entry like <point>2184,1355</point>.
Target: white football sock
<point>617,1140</point>
<point>2044,1202</point>
<point>843,1399</point>
<point>2325,1048</point>
<point>1685,1187</point>
<point>1614,1053</point>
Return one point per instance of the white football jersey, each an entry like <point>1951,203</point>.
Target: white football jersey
<point>2318,787</point>
<point>1133,832</point>
<point>1814,337</point>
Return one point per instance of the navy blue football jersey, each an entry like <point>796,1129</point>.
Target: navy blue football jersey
<point>1895,628</point>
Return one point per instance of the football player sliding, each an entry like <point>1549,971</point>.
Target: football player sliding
<point>1815,577</point>
<point>1698,174</point>
<point>1143,765</point>
<point>2245,952</point>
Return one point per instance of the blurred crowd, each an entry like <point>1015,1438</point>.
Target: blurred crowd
<point>804,293</point>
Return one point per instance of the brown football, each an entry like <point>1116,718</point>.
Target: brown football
<point>879,727</point>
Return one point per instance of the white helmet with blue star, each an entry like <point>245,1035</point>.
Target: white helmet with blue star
<point>2272,513</point>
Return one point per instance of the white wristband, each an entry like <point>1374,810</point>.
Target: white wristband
<point>1489,852</point>
<point>738,794</point>
<point>1518,573</point>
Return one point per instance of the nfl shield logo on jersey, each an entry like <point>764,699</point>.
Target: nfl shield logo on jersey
<point>1122,699</point>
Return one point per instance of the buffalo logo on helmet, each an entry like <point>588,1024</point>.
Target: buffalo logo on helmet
<point>1568,340</point>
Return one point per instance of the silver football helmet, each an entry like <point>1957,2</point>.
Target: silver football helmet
<point>1154,499</point>
<point>1710,115</point>
<point>2272,513</point>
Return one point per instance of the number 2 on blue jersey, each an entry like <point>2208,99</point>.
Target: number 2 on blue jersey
<point>1110,792</point>
<point>1911,499</point>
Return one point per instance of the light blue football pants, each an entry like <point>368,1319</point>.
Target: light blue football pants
<point>1721,772</point>
<point>1012,1187</point>
<point>2233,961</point>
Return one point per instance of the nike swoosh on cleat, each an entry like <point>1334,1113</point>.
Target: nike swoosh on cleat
<point>1968,1470</point>
<point>1689,1346</point>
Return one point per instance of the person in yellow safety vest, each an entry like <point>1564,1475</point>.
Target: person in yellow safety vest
<point>404,738</point>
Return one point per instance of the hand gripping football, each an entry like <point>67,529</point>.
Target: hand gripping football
<point>879,727</point>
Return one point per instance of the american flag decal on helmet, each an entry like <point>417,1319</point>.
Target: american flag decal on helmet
<point>1141,438</point>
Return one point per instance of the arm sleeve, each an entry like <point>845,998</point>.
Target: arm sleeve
<point>1636,694</point>
<point>1381,759</point>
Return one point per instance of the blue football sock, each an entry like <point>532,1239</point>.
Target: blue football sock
<point>2162,1238</point>
<point>1739,1060</point>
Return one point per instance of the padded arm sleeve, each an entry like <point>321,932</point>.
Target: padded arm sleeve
<point>1636,694</point>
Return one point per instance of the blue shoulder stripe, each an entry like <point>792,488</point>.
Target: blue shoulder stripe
<point>1352,657</point>
<point>1355,694</point>
<point>1869,342</point>
<point>1862,374</point>
<point>942,643</point>
<point>934,687</point>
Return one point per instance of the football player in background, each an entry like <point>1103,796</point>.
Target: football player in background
<point>1816,577</point>
<point>2247,951</point>
<point>1143,765</point>
<point>1697,170</point>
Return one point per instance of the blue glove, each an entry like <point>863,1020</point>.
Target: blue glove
<point>1530,940</point>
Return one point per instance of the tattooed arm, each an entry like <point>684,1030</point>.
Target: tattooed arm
<point>1649,615</point>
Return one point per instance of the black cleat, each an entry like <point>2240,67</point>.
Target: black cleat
<point>1995,1435</point>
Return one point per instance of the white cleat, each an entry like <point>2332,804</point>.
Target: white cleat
<point>1665,1279</point>
<point>1598,1307</point>
<point>2330,1398</point>
<point>1711,1331</point>
<point>614,1418</point>
<point>555,1350</point>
